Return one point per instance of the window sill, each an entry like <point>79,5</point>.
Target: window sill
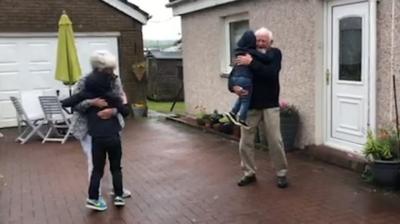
<point>224,75</point>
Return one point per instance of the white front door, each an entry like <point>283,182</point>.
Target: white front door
<point>348,75</point>
<point>28,63</point>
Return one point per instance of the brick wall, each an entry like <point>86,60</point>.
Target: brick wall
<point>87,16</point>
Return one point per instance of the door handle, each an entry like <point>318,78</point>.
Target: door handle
<point>327,76</point>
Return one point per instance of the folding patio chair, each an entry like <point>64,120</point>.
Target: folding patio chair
<point>56,119</point>
<point>32,123</point>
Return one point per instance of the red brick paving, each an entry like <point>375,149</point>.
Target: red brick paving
<point>181,175</point>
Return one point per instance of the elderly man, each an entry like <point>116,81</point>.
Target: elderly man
<point>104,61</point>
<point>264,106</point>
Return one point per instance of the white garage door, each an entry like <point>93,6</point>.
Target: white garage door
<point>28,63</point>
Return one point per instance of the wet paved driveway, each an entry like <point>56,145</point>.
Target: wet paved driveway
<point>181,175</point>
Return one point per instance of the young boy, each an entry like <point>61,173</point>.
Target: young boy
<point>242,76</point>
<point>105,135</point>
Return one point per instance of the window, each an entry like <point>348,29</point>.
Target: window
<point>235,26</point>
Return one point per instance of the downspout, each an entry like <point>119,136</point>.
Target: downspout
<point>372,63</point>
<point>392,57</point>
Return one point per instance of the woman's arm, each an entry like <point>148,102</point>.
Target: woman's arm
<point>84,105</point>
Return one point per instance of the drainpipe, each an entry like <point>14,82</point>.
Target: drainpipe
<point>392,56</point>
<point>372,63</point>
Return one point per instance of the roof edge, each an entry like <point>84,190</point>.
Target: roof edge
<point>129,9</point>
<point>174,3</point>
<point>181,7</point>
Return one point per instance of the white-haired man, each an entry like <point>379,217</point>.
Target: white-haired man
<point>264,106</point>
<point>104,62</point>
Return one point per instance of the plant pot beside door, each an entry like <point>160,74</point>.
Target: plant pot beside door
<point>386,173</point>
<point>383,153</point>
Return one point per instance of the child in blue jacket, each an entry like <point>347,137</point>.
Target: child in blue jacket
<point>242,76</point>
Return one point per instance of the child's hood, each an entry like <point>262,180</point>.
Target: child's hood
<point>248,40</point>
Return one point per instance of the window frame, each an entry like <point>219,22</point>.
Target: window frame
<point>226,59</point>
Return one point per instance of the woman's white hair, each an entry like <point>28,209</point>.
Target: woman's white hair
<point>264,31</point>
<point>102,59</point>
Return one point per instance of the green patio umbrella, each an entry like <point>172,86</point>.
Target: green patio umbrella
<point>68,69</point>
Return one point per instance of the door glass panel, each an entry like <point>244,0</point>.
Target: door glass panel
<point>350,51</point>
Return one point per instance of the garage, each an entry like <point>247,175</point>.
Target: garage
<point>28,44</point>
<point>28,63</point>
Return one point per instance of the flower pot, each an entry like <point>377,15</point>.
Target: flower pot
<point>386,173</point>
<point>289,126</point>
<point>139,111</point>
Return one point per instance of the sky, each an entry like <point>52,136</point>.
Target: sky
<point>162,25</point>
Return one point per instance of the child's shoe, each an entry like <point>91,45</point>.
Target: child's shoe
<point>98,205</point>
<point>126,193</point>
<point>244,124</point>
<point>232,117</point>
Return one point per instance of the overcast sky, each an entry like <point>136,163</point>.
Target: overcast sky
<point>162,25</point>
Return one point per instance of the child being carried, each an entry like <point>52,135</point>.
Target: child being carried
<point>242,76</point>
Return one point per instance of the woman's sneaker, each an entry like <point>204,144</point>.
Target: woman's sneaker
<point>98,205</point>
<point>119,201</point>
<point>125,194</point>
<point>232,118</point>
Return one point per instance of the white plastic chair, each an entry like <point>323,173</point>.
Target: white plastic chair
<point>30,103</point>
<point>32,123</point>
<point>56,119</point>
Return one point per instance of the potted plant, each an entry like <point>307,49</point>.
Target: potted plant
<point>289,116</point>
<point>139,109</point>
<point>382,151</point>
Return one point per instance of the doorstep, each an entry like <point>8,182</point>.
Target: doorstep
<point>318,152</point>
<point>336,157</point>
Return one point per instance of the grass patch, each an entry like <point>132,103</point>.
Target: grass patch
<point>164,107</point>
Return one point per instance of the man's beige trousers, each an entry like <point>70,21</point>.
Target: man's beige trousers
<point>270,119</point>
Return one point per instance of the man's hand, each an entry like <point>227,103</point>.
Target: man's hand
<point>240,91</point>
<point>243,59</point>
<point>106,113</point>
<point>98,102</point>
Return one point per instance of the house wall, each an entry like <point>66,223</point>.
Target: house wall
<point>299,36</point>
<point>87,16</point>
<point>388,57</point>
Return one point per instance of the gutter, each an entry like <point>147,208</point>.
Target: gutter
<point>174,3</point>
